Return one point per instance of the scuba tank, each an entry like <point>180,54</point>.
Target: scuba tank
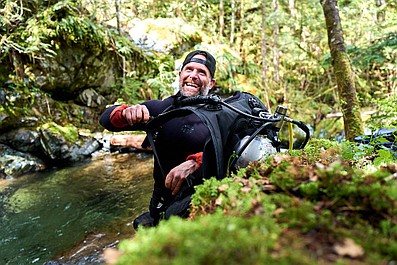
<point>258,149</point>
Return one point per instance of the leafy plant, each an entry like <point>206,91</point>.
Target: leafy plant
<point>386,113</point>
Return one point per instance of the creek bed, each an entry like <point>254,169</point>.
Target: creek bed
<point>70,215</point>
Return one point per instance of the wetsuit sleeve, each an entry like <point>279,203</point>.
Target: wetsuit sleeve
<point>116,117</point>
<point>113,114</point>
<point>198,157</point>
<point>112,120</point>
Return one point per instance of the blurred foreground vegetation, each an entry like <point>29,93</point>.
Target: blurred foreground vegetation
<point>330,203</point>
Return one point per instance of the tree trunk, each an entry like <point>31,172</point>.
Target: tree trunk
<point>381,13</point>
<point>264,65</point>
<point>233,20</point>
<point>117,5</point>
<point>342,70</point>
<point>221,19</point>
<point>276,56</point>
<point>294,15</point>
<point>242,35</point>
<point>292,8</point>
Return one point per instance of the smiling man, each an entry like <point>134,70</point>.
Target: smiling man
<point>196,77</point>
<point>179,142</point>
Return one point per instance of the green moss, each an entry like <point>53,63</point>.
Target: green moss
<point>211,239</point>
<point>310,189</point>
<point>69,132</point>
<point>355,152</point>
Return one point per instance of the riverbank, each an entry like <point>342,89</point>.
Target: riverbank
<point>70,215</point>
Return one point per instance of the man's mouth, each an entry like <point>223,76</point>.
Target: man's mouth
<point>191,85</point>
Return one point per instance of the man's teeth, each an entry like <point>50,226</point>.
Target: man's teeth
<point>191,84</point>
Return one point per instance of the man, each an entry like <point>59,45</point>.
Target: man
<point>178,143</point>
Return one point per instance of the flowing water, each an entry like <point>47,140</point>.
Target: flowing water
<point>69,216</point>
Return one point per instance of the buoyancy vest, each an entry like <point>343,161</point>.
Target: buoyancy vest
<point>226,126</point>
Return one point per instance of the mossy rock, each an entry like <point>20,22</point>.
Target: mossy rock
<point>69,132</point>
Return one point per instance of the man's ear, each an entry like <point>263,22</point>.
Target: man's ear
<point>212,83</point>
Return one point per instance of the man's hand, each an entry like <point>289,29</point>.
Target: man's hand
<point>136,114</point>
<point>178,174</point>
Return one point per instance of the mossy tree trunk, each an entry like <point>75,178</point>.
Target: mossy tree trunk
<point>342,70</point>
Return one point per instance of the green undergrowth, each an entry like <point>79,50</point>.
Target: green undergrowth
<point>211,239</point>
<point>326,204</point>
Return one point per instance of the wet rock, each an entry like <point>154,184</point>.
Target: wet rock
<point>14,163</point>
<point>65,144</point>
<point>23,139</point>
<point>90,98</point>
<point>2,97</point>
<point>27,150</point>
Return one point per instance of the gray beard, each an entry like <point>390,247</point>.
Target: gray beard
<point>200,93</point>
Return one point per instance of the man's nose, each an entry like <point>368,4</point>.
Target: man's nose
<point>193,74</point>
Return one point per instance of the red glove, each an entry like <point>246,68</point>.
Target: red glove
<point>116,118</point>
<point>198,157</point>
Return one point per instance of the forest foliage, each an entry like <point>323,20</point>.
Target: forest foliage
<point>298,69</point>
<point>311,205</point>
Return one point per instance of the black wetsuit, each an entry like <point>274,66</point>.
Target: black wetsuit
<point>174,141</point>
<point>183,131</point>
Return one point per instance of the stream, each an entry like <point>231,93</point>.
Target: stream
<point>69,215</point>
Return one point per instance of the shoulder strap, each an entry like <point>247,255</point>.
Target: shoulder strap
<point>154,124</point>
<point>149,137</point>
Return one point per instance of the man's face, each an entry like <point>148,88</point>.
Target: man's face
<point>195,79</point>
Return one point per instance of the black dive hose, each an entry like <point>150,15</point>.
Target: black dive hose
<point>188,101</point>
<point>239,151</point>
<point>216,99</point>
<point>303,127</point>
<point>268,121</point>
